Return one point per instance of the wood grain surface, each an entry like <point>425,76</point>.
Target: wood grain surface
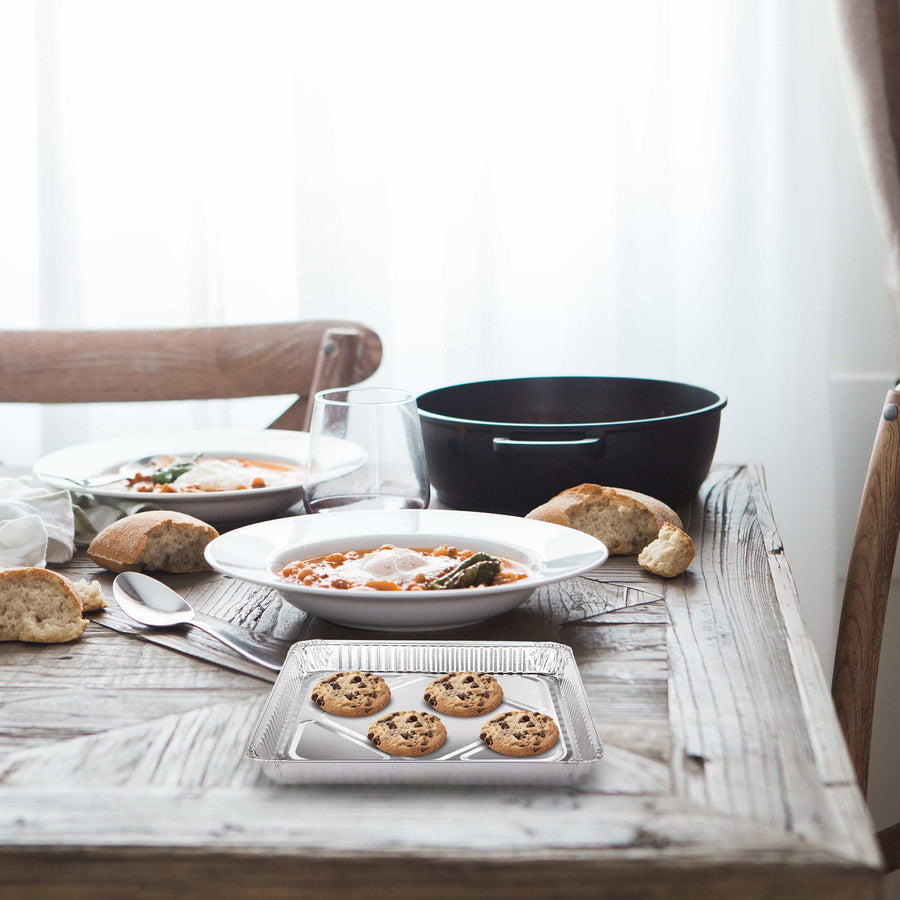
<point>188,363</point>
<point>123,770</point>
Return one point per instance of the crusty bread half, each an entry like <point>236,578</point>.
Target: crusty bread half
<point>155,541</point>
<point>38,605</point>
<point>624,520</point>
<point>670,554</point>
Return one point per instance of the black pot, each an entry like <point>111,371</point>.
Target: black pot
<point>508,446</point>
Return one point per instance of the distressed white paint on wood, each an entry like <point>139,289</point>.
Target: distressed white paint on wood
<point>169,751</point>
<point>368,819</point>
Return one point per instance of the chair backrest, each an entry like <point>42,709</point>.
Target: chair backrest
<point>865,602</point>
<point>218,362</point>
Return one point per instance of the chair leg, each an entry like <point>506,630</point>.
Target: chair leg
<point>865,597</point>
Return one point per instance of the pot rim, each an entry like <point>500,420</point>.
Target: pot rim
<point>717,405</point>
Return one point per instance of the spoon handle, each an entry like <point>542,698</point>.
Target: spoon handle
<point>255,650</point>
<point>98,481</point>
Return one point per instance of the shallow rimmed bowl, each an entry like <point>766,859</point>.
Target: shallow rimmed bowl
<point>67,467</point>
<point>257,553</point>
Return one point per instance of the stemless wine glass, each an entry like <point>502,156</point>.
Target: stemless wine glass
<point>382,439</point>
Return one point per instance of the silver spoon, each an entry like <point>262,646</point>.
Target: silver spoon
<point>153,603</point>
<point>113,477</point>
<point>98,481</point>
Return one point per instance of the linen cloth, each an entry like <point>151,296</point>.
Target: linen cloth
<point>40,524</point>
<point>37,523</point>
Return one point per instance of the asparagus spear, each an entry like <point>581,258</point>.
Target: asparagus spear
<point>479,568</point>
<point>168,474</point>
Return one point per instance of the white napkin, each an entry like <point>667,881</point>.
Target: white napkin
<point>37,524</point>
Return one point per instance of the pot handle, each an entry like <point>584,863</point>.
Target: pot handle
<point>585,445</point>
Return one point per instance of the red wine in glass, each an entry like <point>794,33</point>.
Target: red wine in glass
<point>362,501</point>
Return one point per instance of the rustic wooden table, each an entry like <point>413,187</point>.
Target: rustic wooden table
<point>123,770</point>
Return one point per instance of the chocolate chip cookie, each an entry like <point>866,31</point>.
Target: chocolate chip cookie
<point>352,694</point>
<point>520,733</point>
<point>408,733</point>
<point>464,694</point>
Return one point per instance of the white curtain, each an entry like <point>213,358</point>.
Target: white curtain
<point>660,189</point>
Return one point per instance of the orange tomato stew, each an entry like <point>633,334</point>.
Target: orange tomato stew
<point>208,475</point>
<point>390,568</point>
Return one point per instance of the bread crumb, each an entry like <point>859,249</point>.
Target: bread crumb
<point>91,595</point>
<point>670,554</point>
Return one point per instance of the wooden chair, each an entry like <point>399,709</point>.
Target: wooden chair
<point>218,362</point>
<point>865,603</point>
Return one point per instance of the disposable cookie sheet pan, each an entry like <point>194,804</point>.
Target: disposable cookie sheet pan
<point>296,742</point>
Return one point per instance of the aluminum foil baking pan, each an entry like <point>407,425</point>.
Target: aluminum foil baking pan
<point>298,743</point>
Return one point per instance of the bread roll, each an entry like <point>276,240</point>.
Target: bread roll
<point>155,541</point>
<point>38,605</point>
<point>670,554</point>
<point>624,520</point>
